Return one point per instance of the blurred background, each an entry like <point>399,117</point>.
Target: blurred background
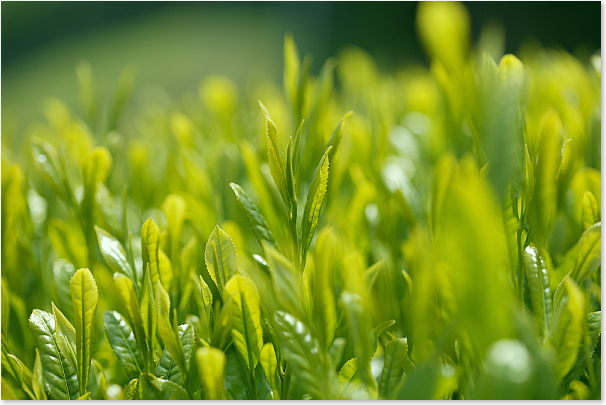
<point>176,44</point>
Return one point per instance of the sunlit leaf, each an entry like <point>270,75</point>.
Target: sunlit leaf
<point>220,257</point>
<point>211,366</point>
<point>246,322</point>
<point>84,300</point>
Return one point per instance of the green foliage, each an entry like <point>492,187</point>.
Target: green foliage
<point>442,242</point>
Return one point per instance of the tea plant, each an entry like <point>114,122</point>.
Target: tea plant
<point>440,242</point>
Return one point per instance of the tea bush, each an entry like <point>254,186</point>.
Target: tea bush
<point>421,234</point>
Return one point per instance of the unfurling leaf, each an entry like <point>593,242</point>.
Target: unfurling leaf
<point>150,245</point>
<point>315,199</point>
<point>274,156</point>
<point>220,257</point>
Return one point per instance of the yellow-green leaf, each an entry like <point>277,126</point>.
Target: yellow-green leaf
<point>269,363</point>
<point>38,378</point>
<point>567,331</point>
<point>84,300</point>
<point>150,244</point>
<point>246,318</point>
<point>323,303</point>
<point>591,210</point>
<point>220,256</point>
<point>274,156</point>
<point>589,253</point>
<point>66,336</point>
<point>168,334</point>
<point>113,253</point>
<point>127,293</point>
<point>315,199</point>
<point>211,366</point>
<point>538,283</point>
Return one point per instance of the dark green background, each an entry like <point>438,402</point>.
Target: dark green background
<point>175,44</point>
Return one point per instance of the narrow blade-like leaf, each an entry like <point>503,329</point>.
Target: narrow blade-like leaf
<point>84,300</point>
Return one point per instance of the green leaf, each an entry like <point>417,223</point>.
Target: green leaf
<point>315,199</point>
<point>269,363</point>
<point>546,172</point>
<point>63,271</point>
<point>568,326</point>
<point>211,366</point>
<point>237,377</point>
<point>220,257</point>
<point>336,136</point>
<point>127,293</point>
<point>204,300</point>
<point>358,323</point>
<point>122,340</point>
<point>322,284</point>
<point>291,192</point>
<point>132,389</point>
<point>97,385</point>
<point>97,167</point>
<point>591,210</point>
<point>246,318</point>
<point>349,377</point>
<point>291,69</point>
<point>167,367</point>
<point>114,254</point>
<point>395,353</point>
<point>165,270</point>
<point>175,208</point>
<point>150,245</point>
<point>149,318</point>
<point>588,255</point>
<point>21,373</point>
<point>84,300</point>
<point>287,282</point>
<point>45,157</point>
<point>38,378</point>
<point>165,329</point>
<point>274,156</point>
<point>302,354</point>
<point>255,218</point>
<point>153,388</point>
<point>60,379</point>
<point>65,334</point>
<point>538,282</point>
